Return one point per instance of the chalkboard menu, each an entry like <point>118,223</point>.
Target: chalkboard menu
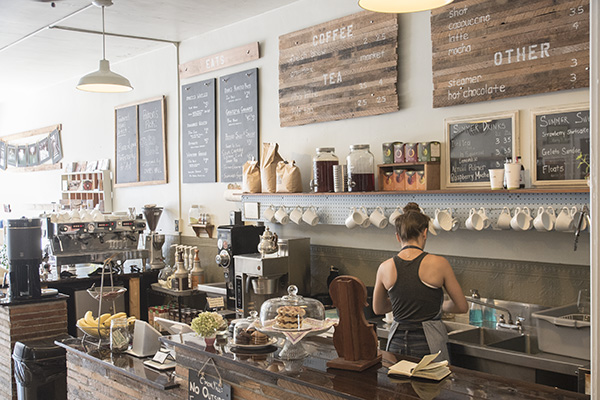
<point>485,50</point>
<point>561,145</point>
<point>476,144</point>
<point>199,146</point>
<point>152,141</point>
<point>340,69</point>
<point>140,143</point>
<point>238,122</point>
<point>126,146</point>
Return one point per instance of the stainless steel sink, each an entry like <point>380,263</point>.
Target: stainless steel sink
<point>483,336</point>
<point>523,344</point>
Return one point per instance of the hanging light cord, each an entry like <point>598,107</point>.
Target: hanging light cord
<point>103,37</point>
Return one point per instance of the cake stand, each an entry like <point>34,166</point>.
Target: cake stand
<point>293,349</point>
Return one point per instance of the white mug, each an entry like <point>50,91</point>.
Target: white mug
<point>576,216</point>
<point>397,212</point>
<point>521,220</point>
<point>378,218</point>
<point>269,214</point>
<point>443,220</point>
<point>356,218</point>
<point>455,224</point>
<point>543,221</point>
<point>475,221</point>
<point>486,220</point>
<point>310,216</point>
<point>496,178</point>
<point>431,227</point>
<point>296,215</point>
<point>282,216</point>
<point>564,220</point>
<point>366,221</point>
<point>504,219</point>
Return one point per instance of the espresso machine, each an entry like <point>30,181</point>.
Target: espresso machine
<point>24,248</point>
<point>231,241</point>
<point>154,241</point>
<point>260,276</point>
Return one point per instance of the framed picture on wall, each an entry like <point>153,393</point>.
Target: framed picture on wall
<point>560,147</point>
<point>22,156</point>
<point>55,145</point>
<point>478,143</point>
<point>11,155</point>
<point>44,150</point>
<point>2,155</point>
<point>32,155</point>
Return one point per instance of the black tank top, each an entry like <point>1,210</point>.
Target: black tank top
<point>412,300</point>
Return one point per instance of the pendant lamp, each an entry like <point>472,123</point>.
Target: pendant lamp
<point>401,6</point>
<point>104,80</point>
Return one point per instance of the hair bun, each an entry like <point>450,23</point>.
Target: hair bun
<point>412,207</point>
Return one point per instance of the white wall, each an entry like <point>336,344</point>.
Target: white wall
<point>88,131</point>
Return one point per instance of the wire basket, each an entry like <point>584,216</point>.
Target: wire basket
<point>106,293</point>
<point>94,331</point>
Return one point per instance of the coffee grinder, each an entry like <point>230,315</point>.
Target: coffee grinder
<point>154,241</point>
<point>24,248</point>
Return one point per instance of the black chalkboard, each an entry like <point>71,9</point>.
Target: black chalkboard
<point>152,149</point>
<point>126,145</point>
<point>206,387</point>
<point>199,147</point>
<point>561,135</point>
<point>238,117</point>
<point>477,144</point>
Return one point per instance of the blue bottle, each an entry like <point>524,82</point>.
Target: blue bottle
<point>476,310</point>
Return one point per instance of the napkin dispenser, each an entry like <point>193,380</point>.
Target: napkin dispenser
<point>145,339</point>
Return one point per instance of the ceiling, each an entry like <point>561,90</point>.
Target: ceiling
<point>29,61</point>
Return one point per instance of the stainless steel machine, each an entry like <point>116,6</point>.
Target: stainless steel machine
<point>259,277</point>
<point>154,240</point>
<point>94,241</point>
<point>24,248</point>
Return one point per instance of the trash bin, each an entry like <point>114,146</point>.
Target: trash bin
<point>40,370</point>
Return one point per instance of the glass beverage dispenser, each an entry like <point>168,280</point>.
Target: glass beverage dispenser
<point>361,169</point>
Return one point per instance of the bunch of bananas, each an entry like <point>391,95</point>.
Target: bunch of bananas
<point>100,327</point>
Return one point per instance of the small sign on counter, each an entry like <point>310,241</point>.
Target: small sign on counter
<point>202,386</point>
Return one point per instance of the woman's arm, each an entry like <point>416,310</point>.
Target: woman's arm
<point>457,302</point>
<point>381,300</point>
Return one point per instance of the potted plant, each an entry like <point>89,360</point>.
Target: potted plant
<point>583,161</point>
<point>206,325</point>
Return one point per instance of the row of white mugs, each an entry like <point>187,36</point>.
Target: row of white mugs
<point>521,219</point>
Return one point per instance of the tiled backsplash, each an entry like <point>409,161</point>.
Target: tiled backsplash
<point>526,282</point>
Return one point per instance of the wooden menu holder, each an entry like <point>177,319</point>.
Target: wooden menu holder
<point>354,338</point>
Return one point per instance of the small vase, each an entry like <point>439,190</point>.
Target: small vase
<point>209,341</point>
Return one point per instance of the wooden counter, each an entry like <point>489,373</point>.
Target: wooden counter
<point>264,376</point>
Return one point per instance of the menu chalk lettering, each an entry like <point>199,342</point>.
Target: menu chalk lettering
<point>238,118</point>
<point>151,141</point>
<point>199,132</point>
<point>126,149</point>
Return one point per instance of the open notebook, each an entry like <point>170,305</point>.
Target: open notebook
<point>426,368</point>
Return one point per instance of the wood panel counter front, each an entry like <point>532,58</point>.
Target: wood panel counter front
<point>265,376</point>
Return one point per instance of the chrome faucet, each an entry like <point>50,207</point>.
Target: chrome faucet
<point>502,323</point>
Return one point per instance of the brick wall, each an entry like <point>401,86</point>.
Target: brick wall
<point>19,323</point>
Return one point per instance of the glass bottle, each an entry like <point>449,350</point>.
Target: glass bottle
<point>119,335</point>
<point>323,164</point>
<point>361,169</point>
<point>194,214</point>
<point>475,311</point>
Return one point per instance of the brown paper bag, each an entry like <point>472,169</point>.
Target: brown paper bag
<point>268,167</point>
<point>251,177</point>
<point>288,178</point>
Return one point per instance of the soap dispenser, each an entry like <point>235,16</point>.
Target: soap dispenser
<point>476,310</point>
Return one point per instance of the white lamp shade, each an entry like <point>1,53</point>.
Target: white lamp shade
<point>104,81</point>
<point>401,6</point>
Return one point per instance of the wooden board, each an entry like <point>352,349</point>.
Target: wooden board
<point>199,141</point>
<point>340,69</point>
<point>560,134</point>
<point>486,50</point>
<point>140,143</point>
<point>227,58</point>
<point>478,143</point>
<point>238,122</point>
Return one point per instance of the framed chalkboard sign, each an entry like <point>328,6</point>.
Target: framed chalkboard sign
<point>238,122</point>
<point>478,143</point>
<point>140,143</point>
<point>561,145</point>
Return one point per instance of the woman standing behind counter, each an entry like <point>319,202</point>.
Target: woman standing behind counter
<point>410,284</point>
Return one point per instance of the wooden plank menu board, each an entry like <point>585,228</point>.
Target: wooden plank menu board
<point>560,135</point>
<point>486,50</point>
<point>340,69</point>
<point>140,143</point>
<point>199,144</point>
<point>479,143</point>
<point>238,122</point>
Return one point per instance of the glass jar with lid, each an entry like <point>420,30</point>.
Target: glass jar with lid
<point>323,164</point>
<point>246,334</point>
<point>292,312</point>
<point>361,169</point>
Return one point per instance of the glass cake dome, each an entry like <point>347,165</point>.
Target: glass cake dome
<point>246,334</point>
<point>292,312</point>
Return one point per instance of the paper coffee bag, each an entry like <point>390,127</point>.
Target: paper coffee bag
<point>251,177</point>
<point>288,178</point>
<point>268,167</point>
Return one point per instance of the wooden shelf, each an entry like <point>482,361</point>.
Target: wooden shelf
<point>99,190</point>
<point>199,228</point>
<point>576,189</point>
